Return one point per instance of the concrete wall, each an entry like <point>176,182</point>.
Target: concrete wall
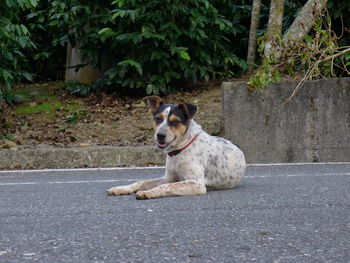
<point>86,74</point>
<point>313,127</point>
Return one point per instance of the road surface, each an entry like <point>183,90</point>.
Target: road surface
<point>279,213</point>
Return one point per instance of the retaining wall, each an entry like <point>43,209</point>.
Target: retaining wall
<point>313,127</point>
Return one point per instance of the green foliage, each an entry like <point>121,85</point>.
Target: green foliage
<point>152,45</point>
<point>84,90</point>
<point>14,39</point>
<point>317,56</point>
<point>347,59</point>
<point>339,12</point>
<point>7,95</point>
<point>80,89</point>
<point>48,60</point>
<point>7,136</point>
<point>38,108</point>
<point>171,41</point>
<point>265,74</point>
<point>75,117</point>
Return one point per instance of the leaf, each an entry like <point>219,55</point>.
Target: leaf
<point>120,3</point>
<point>123,13</point>
<point>133,64</point>
<point>158,54</point>
<point>135,37</point>
<point>183,54</point>
<point>41,55</point>
<point>34,2</point>
<point>308,38</point>
<point>149,89</point>
<point>6,75</point>
<point>347,56</point>
<point>27,76</point>
<point>24,29</point>
<point>105,31</point>
<point>262,43</point>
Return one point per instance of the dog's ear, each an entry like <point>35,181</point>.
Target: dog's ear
<point>188,109</point>
<point>153,103</point>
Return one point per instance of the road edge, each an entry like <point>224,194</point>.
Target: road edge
<point>87,157</point>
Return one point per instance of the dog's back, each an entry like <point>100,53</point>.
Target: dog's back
<point>226,164</point>
<point>223,163</point>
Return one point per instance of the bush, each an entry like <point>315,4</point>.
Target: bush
<point>161,42</point>
<point>152,45</point>
<point>14,39</point>
<point>49,33</point>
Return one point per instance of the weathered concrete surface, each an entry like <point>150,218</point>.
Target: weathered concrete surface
<point>81,157</point>
<point>313,127</point>
<point>86,74</point>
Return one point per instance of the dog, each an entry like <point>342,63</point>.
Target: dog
<point>195,162</point>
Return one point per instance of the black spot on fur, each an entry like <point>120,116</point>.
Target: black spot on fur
<point>214,161</point>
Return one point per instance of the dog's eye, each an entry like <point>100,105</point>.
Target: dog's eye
<point>175,123</point>
<point>158,120</point>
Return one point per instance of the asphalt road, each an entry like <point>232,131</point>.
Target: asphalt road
<point>279,213</point>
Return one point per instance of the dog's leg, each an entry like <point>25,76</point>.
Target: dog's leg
<point>138,186</point>
<point>188,187</point>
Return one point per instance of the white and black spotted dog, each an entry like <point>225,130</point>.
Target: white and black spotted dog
<point>195,160</point>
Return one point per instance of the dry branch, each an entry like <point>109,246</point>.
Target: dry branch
<point>310,71</point>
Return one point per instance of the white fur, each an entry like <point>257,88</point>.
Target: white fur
<point>209,162</point>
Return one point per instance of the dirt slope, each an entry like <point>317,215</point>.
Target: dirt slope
<point>50,117</point>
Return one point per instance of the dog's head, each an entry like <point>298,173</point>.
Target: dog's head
<point>170,121</point>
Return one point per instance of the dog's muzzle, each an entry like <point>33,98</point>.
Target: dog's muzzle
<point>161,141</point>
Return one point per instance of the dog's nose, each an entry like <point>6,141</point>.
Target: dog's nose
<point>160,137</point>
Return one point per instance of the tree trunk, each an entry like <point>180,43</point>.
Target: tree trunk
<point>274,27</point>
<point>254,24</point>
<point>305,20</point>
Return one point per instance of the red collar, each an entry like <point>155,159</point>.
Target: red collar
<point>176,152</point>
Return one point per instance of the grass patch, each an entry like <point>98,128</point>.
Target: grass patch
<point>72,106</point>
<point>46,99</point>
<point>38,108</point>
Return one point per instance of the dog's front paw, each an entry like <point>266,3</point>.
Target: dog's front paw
<point>140,195</point>
<point>119,190</point>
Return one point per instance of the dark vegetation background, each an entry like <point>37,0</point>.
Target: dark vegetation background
<point>143,46</point>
